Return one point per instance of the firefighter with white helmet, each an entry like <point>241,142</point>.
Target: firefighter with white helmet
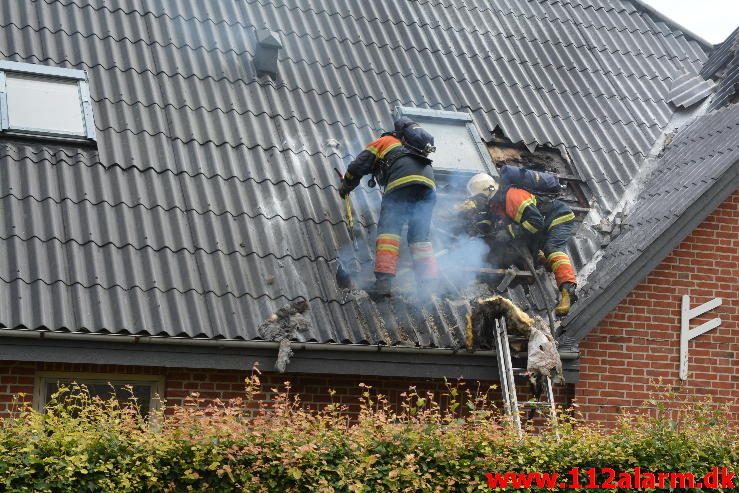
<point>482,184</point>
<point>516,207</point>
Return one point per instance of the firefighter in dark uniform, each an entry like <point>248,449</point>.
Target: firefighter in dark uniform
<point>543,223</point>
<point>399,162</point>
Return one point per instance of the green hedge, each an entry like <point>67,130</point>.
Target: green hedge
<point>85,444</point>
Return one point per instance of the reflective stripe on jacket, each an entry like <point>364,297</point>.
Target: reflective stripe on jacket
<point>365,161</point>
<point>535,214</point>
<point>404,168</point>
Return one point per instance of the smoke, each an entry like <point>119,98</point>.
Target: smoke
<point>460,262</point>
<point>459,256</point>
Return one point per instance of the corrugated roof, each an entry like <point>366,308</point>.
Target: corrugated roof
<point>210,200</point>
<point>721,55</point>
<point>723,67</point>
<point>702,156</point>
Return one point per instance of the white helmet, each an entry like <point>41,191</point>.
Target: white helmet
<point>482,183</point>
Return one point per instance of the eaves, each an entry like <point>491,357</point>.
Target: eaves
<point>337,359</point>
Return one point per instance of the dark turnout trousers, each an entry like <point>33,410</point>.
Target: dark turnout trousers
<point>411,205</point>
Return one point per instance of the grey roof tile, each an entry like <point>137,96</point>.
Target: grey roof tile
<point>721,56</point>
<point>690,89</point>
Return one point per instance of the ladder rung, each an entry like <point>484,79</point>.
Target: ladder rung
<point>536,404</point>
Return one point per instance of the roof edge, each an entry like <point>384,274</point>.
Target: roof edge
<point>243,344</point>
<point>673,23</point>
<point>612,295</point>
<point>107,350</point>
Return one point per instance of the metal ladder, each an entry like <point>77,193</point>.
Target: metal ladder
<point>508,383</point>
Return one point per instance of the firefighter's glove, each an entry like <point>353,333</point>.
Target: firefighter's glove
<point>344,189</point>
<point>469,206</point>
<point>541,259</point>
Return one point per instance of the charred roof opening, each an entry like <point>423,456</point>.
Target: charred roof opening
<point>575,192</point>
<point>542,158</point>
<point>267,53</point>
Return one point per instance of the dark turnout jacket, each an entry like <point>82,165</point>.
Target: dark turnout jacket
<point>398,167</point>
<point>534,213</point>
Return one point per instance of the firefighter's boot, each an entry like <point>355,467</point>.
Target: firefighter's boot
<point>382,289</point>
<point>566,300</point>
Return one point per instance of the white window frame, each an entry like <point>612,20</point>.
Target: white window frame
<point>43,378</point>
<point>452,118</point>
<point>51,73</point>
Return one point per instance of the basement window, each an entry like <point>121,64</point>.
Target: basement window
<point>144,390</point>
<point>43,101</point>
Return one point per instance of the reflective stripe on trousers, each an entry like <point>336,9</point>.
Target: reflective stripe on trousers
<point>411,205</point>
<point>387,250</point>
<point>424,260</point>
<point>555,249</point>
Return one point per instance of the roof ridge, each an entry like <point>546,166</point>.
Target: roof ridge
<point>641,5</point>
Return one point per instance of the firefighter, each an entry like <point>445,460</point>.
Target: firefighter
<point>543,223</point>
<point>399,162</point>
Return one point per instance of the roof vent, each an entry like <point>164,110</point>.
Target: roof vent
<point>268,47</point>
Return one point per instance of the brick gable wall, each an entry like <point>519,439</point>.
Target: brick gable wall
<point>639,341</point>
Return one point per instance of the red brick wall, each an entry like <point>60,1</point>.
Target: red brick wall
<point>640,340</point>
<point>18,377</point>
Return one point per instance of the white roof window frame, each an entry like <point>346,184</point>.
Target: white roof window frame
<point>60,74</point>
<point>456,118</point>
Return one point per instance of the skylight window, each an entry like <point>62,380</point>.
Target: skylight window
<point>459,147</point>
<point>43,101</point>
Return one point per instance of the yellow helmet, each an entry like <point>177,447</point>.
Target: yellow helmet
<point>482,183</point>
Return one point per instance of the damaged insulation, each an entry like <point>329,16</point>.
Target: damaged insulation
<point>283,326</point>
<point>543,357</point>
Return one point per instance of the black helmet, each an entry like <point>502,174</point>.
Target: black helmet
<point>402,123</point>
<point>415,138</point>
